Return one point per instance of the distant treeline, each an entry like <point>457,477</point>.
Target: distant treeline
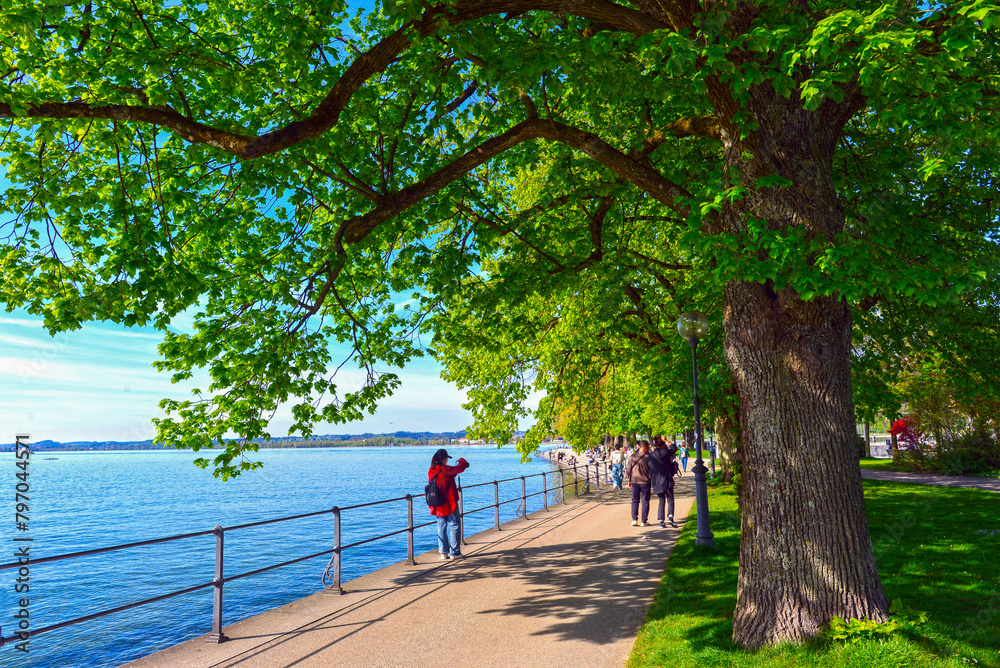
<point>357,442</point>
<point>324,441</point>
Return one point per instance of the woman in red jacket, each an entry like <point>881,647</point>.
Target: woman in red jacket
<point>447,515</point>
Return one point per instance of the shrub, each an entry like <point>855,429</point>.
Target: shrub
<point>972,454</point>
<point>860,630</point>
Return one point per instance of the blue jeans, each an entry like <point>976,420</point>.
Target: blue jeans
<point>448,534</point>
<point>616,474</point>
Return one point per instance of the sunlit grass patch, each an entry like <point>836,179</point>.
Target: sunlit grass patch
<point>937,550</point>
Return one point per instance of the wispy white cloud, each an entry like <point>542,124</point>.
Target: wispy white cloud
<point>23,322</point>
<point>134,334</point>
<point>27,343</point>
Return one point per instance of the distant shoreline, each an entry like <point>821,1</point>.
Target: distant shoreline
<point>394,440</point>
<point>157,448</point>
<point>324,441</point>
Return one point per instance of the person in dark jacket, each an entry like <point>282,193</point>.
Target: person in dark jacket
<point>447,515</point>
<point>637,472</point>
<point>661,478</point>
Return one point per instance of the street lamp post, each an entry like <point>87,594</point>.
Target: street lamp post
<point>693,325</point>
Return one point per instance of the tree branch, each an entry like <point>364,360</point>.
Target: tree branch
<point>689,126</point>
<point>634,171</point>
<point>367,64</point>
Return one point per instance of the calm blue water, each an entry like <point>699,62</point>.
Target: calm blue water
<point>84,501</point>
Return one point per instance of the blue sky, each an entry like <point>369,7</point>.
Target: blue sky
<point>98,383</point>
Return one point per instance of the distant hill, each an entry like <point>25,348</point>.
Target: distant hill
<point>367,439</point>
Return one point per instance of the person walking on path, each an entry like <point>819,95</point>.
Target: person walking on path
<point>637,473</point>
<point>447,515</point>
<point>684,455</point>
<point>662,468</point>
<point>617,466</point>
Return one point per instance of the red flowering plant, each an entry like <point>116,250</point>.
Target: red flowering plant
<point>906,433</point>
<point>911,440</point>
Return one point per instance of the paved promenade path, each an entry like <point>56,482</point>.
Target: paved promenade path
<point>568,587</point>
<point>989,484</point>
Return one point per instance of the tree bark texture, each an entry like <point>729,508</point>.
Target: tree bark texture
<point>868,440</point>
<point>805,552</point>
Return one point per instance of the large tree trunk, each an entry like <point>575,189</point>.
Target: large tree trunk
<point>805,551</point>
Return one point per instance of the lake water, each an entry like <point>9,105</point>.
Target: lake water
<point>88,500</point>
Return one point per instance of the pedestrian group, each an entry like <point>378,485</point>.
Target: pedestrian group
<point>652,473</point>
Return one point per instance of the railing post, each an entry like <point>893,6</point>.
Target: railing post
<point>461,510</point>
<point>336,551</point>
<point>524,497</point>
<point>409,530</point>
<point>576,481</point>
<point>496,505</point>
<point>586,478</point>
<point>545,489</point>
<point>217,635</point>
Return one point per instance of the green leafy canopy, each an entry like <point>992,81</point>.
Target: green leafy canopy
<point>548,189</point>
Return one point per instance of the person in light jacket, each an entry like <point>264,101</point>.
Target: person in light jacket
<point>637,473</point>
<point>447,515</point>
<point>662,468</point>
<point>617,466</point>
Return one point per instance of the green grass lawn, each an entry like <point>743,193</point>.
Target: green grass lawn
<point>905,466</point>
<point>938,550</point>
<point>873,464</point>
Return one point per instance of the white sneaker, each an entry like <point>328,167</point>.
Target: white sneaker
<point>445,557</point>
<point>644,524</point>
<point>635,523</point>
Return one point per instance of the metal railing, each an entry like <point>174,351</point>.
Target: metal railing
<point>590,473</point>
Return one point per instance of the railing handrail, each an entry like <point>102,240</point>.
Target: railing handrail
<point>100,550</point>
<point>533,475</point>
<point>314,513</point>
<point>220,531</point>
